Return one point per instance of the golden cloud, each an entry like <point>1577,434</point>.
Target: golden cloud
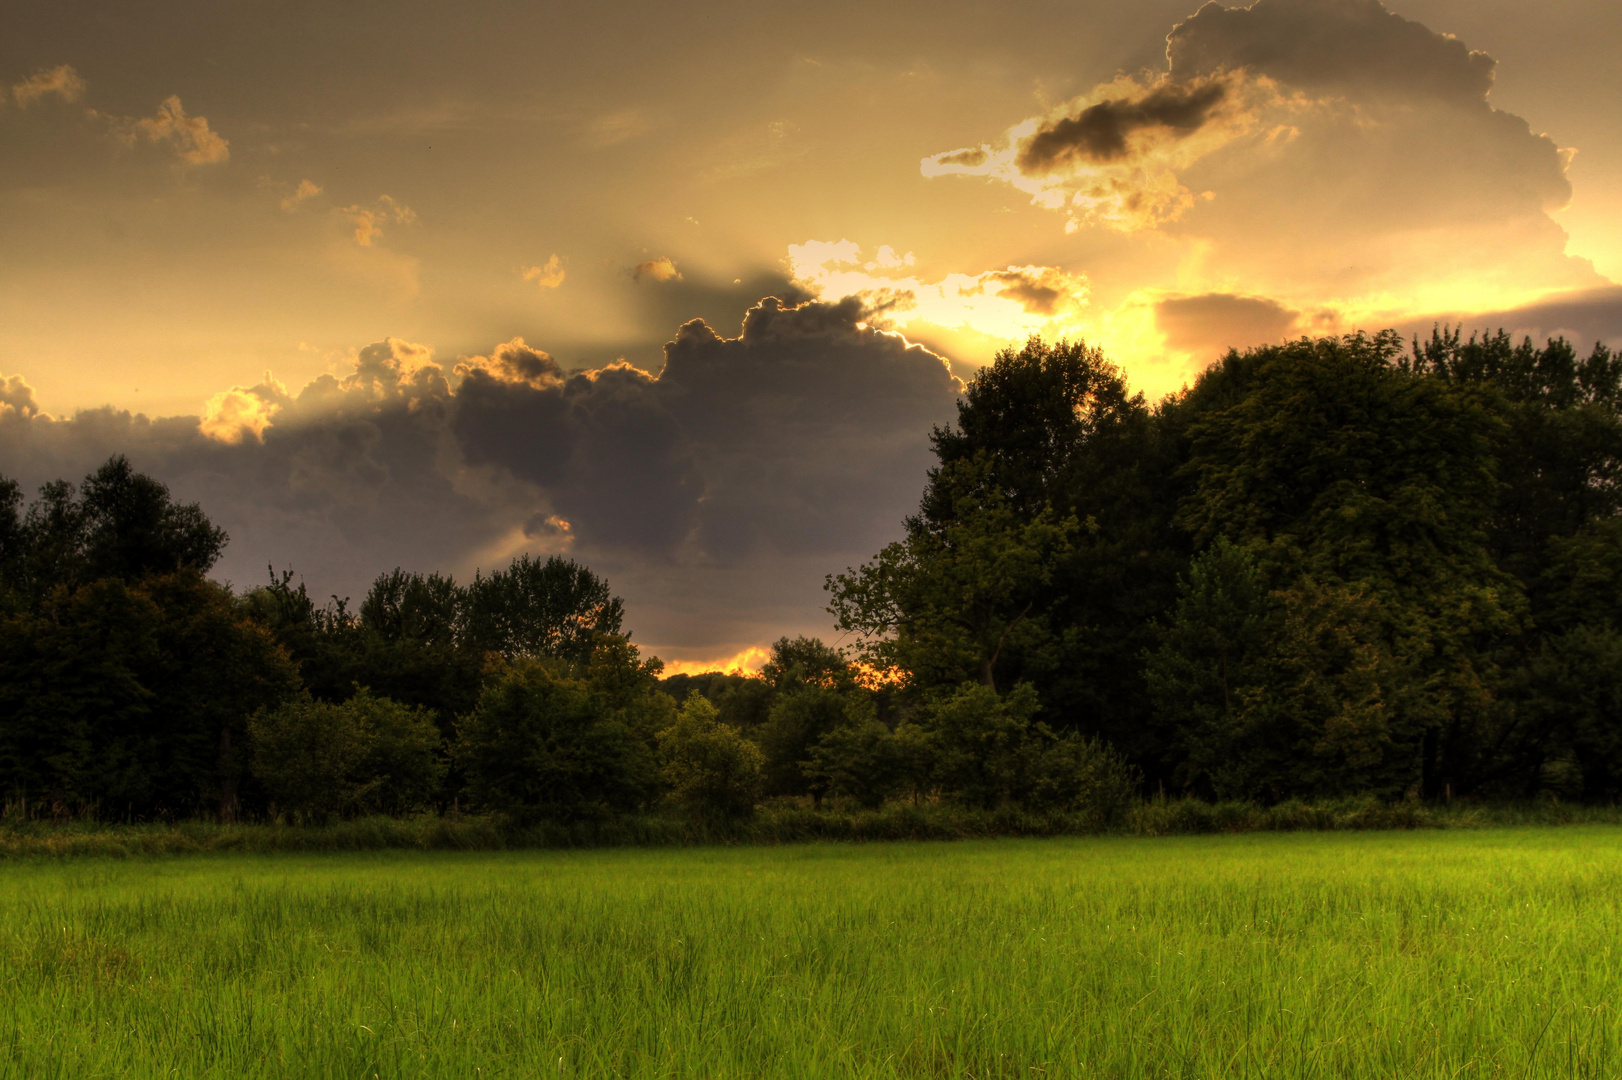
<point>549,275</point>
<point>1112,157</point>
<point>61,82</point>
<point>514,362</point>
<point>1007,304</point>
<point>749,661</point>
<point>16,398</point>
<point>306,190</point>
<point>660,269</point>
<point>243,411</point>
<point>189,136</point>
<point>369,220</point>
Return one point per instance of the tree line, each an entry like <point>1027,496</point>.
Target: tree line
<point>1333,567</point>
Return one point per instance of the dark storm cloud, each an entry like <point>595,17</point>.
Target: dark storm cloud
<point>1214,322</point>
<point>1583,318</point>
<point>803,437</point>
<point>1100,132</point>
<point>1339,46</point>
<point>1035,295</point>
<point>972,158</point>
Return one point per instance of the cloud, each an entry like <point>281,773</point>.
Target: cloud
<point>549,275</point>
<point>16,399</point>
<point>60,82</point>
<point>714,494</point>
<point>1327,157</point>
<point>189,136</point>
<point>306,190</point>
<point>660,269</point>
<point>1010,303</point>
<point>1332,113</point>
<point>1215,322</point>
<point>369,220</point>
<point>243,411</point>
<point>745,662</point>
<point>1338,47</point>
<point>1112,156</point>
<point>514,362</point>
<point>1100,132</point>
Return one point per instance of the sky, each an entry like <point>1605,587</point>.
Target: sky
<point>679,290</point>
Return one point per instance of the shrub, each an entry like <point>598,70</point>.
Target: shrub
<point>367,755</point>
<point>1074,774</point>
<point>711,769</point>
<point>860,759</point>
<point>541,745</point>
<point>981,742</point>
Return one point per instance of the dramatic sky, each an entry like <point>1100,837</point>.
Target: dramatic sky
<point>680,289</point>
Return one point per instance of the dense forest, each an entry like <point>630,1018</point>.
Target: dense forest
<point>1344,566</point>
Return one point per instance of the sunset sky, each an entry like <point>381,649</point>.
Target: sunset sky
<point>417,284</point>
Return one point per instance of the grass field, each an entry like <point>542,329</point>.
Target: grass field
<point>1422,954</point>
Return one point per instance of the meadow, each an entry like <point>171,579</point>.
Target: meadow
<point>1479,953</point>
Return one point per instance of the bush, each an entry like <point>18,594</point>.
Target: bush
<point>1072,774</point>
<point>797,722</point>
<point>368,755</point>
<point>541,745</point>
<point>982,742</point>
<point>711,769</point>
<point>862,759</point>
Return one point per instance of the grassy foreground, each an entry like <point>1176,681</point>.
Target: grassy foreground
<point>1414,954</point>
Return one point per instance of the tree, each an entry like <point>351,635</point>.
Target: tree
<point>133,700</point>
<point>982,743</point>
<point>1056,427</point>
<point>367,755</point>
<point>798,721</point>
<point>708,767</point>
<point>543,743</point>
<point>117,524</point>
<point>947,603</point>
<point>534,608</point>
<point>861,758</point>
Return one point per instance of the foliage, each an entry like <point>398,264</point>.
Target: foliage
<point>708,767</point>
<point>945,603</point>
<point>798,721</point>
<point>366,755</point>
<point>117,524</point>
<point>534,608</point>
<point>134,698</point>
<point>543,743</point>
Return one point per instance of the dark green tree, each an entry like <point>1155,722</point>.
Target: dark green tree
<point>534,608</point>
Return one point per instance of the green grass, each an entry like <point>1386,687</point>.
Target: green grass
<point>779,822</point>
<point>1414,954</point>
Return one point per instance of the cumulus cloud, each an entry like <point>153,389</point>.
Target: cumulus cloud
<point>306,190</point>
<point>60,82</point>
<point>1321,156</point>
<point>189,136</point>
<point>1335,93</point>
<point>16,399</point>
<point>1009,303</point>
<point>1101,131</point>
<point>1112,157</point>
<point>1212,323</point>
<point>243,411</point>
<point>714,494</point>
<point>1353,47</point>
<point>369,220</point>
<point>549,275</point>
<point>660,269</point>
